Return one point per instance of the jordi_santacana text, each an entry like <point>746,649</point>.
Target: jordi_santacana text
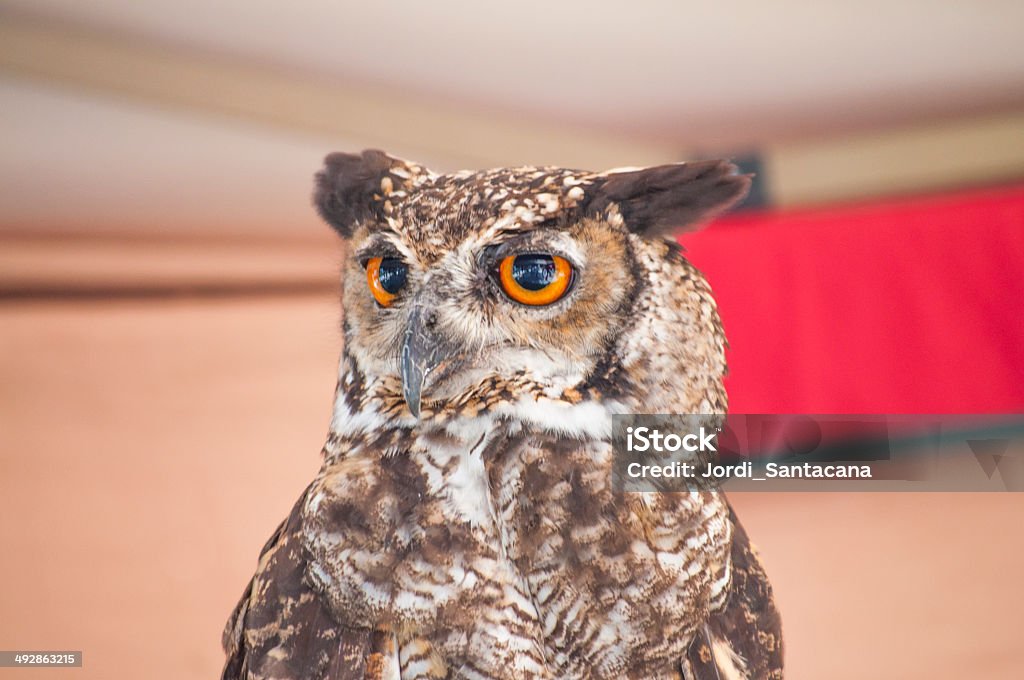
<point>746,469</point>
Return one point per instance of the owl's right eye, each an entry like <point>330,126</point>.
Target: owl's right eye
<point>385,276</point>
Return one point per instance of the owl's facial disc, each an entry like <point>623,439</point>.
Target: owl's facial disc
<point>529,307</point>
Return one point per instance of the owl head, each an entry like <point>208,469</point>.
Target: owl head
<point>526,292</point>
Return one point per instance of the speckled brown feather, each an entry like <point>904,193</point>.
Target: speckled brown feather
<point>748,621</point>
<point>281,630</point>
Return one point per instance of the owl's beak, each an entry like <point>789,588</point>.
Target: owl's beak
<point>422,353</point>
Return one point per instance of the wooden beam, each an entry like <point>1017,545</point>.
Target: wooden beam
<point>932,157</point>
<point>51,267</point>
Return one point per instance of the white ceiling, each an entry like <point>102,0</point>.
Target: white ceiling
<point>708,74</point>
<point>715,77</point>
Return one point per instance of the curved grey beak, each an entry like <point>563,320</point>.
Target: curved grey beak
<point>422,353</point>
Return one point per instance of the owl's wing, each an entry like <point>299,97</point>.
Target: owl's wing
<point>282,630</point>
<point>743,639</point>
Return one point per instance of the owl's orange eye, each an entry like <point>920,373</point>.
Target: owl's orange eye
<point>535,279</point>
<point>386,276</point>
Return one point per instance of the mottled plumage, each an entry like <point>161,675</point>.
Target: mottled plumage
<point>464,524</point>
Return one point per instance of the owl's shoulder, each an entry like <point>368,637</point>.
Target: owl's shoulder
<point>281,627</point>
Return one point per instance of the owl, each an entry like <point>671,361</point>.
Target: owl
<point>464,523</point>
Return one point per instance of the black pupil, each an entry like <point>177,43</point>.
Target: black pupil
<point>533,272</point>
<point>391,274</point>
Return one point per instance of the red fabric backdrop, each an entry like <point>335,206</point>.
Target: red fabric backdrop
<point>908,306</point>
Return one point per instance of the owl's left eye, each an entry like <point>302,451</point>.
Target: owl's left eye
<point>535,279</point>
<point>385,276</point>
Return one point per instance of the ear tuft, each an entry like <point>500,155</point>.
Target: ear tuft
<point>669,198</point>
<point>348,189</point>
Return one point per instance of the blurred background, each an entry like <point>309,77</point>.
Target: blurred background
<point>169,319</point>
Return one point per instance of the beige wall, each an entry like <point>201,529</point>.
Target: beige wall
<point>149,448</point>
